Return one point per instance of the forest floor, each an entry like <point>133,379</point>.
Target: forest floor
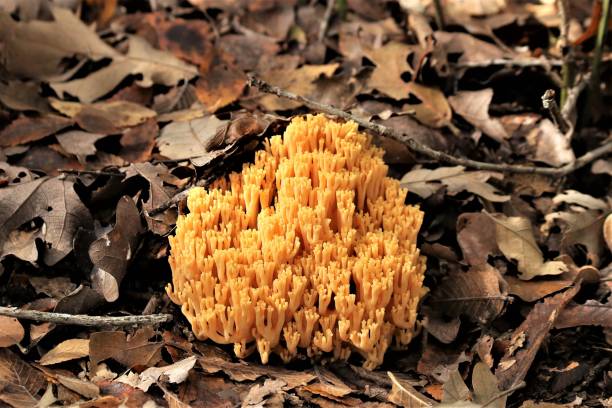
<point>495,115</point>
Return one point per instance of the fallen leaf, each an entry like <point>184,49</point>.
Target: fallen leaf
<point>133,351</point>
<point>36,49</point>
<point>20,384</point>
<point>49,160</point>
<point>191,139</point>
<point>220,84</point>
<point>591,313</point>
<point>79,143</point>
<point>473,106</point>
<point>442,329</point>
<point>425,182</point>
<point>607,231</point>
<point>474,7</point>
<point>66,351</point>
<point>486,388</point>
<point>472,50</point>
<point>57,287</point>
<point>551,146</point>
<point>475,294</point>
<point>328,385</point>
<point>259,392</point>
<point>55,202</point>
<point>11,331</point>
<point>391,62</point>
<point>23,96</point>
<point>476,237</point>
<point>112,253</point>
<point>137,143</point>
<point>533,290</point>
<point>404,394</point>
<point>584,200</point>
<point>27,129</point>
<point>117,113</point>
<point>516,241</point>
<point>516,361</point>
<point>155,66</point>
<point>174,373</point>
<point>432,108</point>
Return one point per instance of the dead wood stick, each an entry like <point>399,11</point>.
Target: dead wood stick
<point>426,150</point>
<point>84,320</point>
<point>329,10</point>
<point>549,103</point>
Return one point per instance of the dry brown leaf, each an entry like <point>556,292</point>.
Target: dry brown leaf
<point>79,143</point>
<point>473,106</point>
<point>112,253</point>
<point>516,241</point>
<point>155,66</point>
<point>52,199</point>
<point>328,385</point>
<point>530,291</point>
<point>404,395</point>
<point>20,384</point>
<point>433,109</point>
<point>527,338</point>
<point>474,7</point>
<point>472,50</point>
<point>133,351</point>
<point>259,393</point>
<point>174,373</point>
<point>551,146</point>
<point>591,313</point>
<point>137,143</point>
<point>475,294</point>
<point>37,48</point>
<point>297,80</point>
<point>391,62</point>
<point>27,129</point>
<point>66,351</point>
<point>119,113</point>
<point>23,96</point>
<point>476,237</point>
<point>607,231</point>
<point>425,182</point>
<point>11,331</point>
<point>191,139</point>
<point>441,329</point>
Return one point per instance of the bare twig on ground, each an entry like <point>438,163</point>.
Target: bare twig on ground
<point>567,70</point>
<point>84,320</point>
<point>549,103</point>
<point>439,14</point>
<point>568,109</point>
<point>518,62</point>
<point>91,172</point>
<point>427,151</point>
<point>329,11</point>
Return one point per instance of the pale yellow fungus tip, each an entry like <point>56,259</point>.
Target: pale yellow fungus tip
<point>311,247</point>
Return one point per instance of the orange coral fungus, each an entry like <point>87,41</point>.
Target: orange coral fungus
<point>310,247</point>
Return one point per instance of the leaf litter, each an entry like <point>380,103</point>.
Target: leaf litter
<point>110,112</point>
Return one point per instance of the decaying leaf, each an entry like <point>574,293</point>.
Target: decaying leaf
<point>425,182</point>
<point>133,351</point>
<point>11,331</point>
<point>66,351</point>
<point>528,337</point>
<point>432,108</point>
<point>27,129</point>
<point>259,393</point>
<point>476,237</point>
<point>20,384</point>
<point>607,231</point>
<point>591,313</point>
<point>552,147</point>
<point>533,290</point>
<point>391,62</point>
<point>516,241</point>
<point>475,294</point>
<point>55,202</point>
<point>190,139</point>
<point>112,253</point>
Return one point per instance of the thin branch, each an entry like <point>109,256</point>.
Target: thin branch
<point>439,15</point>
<point>567,70</point>
<point>90,172</point>
<point>329,11</point>
<point>599,44</point>
<point>417,147</point>
<point>519,62</point>
<point>84,320</point>
<point>549,103</point>
<point>504,393</point>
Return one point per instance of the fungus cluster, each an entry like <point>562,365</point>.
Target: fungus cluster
<point>310,247</point>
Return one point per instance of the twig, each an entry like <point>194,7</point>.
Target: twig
<point>329,10</point>
<point>599,43</point>
<point>426,150</point>
<point>519,62</point>
<point>567,70</point>
<point>439,14</point>
<point>568,109</point>
<point>84,320</point>
<point>90,172</point>
<point>549,103</point>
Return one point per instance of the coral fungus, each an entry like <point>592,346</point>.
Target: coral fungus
<point>310,247</point>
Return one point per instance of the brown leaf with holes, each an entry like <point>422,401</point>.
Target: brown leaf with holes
<point>391,62</point>
<point>27,129</point>
<point>516,361</point>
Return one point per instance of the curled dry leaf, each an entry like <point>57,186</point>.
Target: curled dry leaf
<point>174,373</point>
<point>55,202</point>
<point>66,351</point>
<point>475,294</point>
<point>527,338</point>
<point>425,182</point>
<point>551,146</point>
<point>11,331</point>
<point>516,241</point>
<point>112,253</point>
